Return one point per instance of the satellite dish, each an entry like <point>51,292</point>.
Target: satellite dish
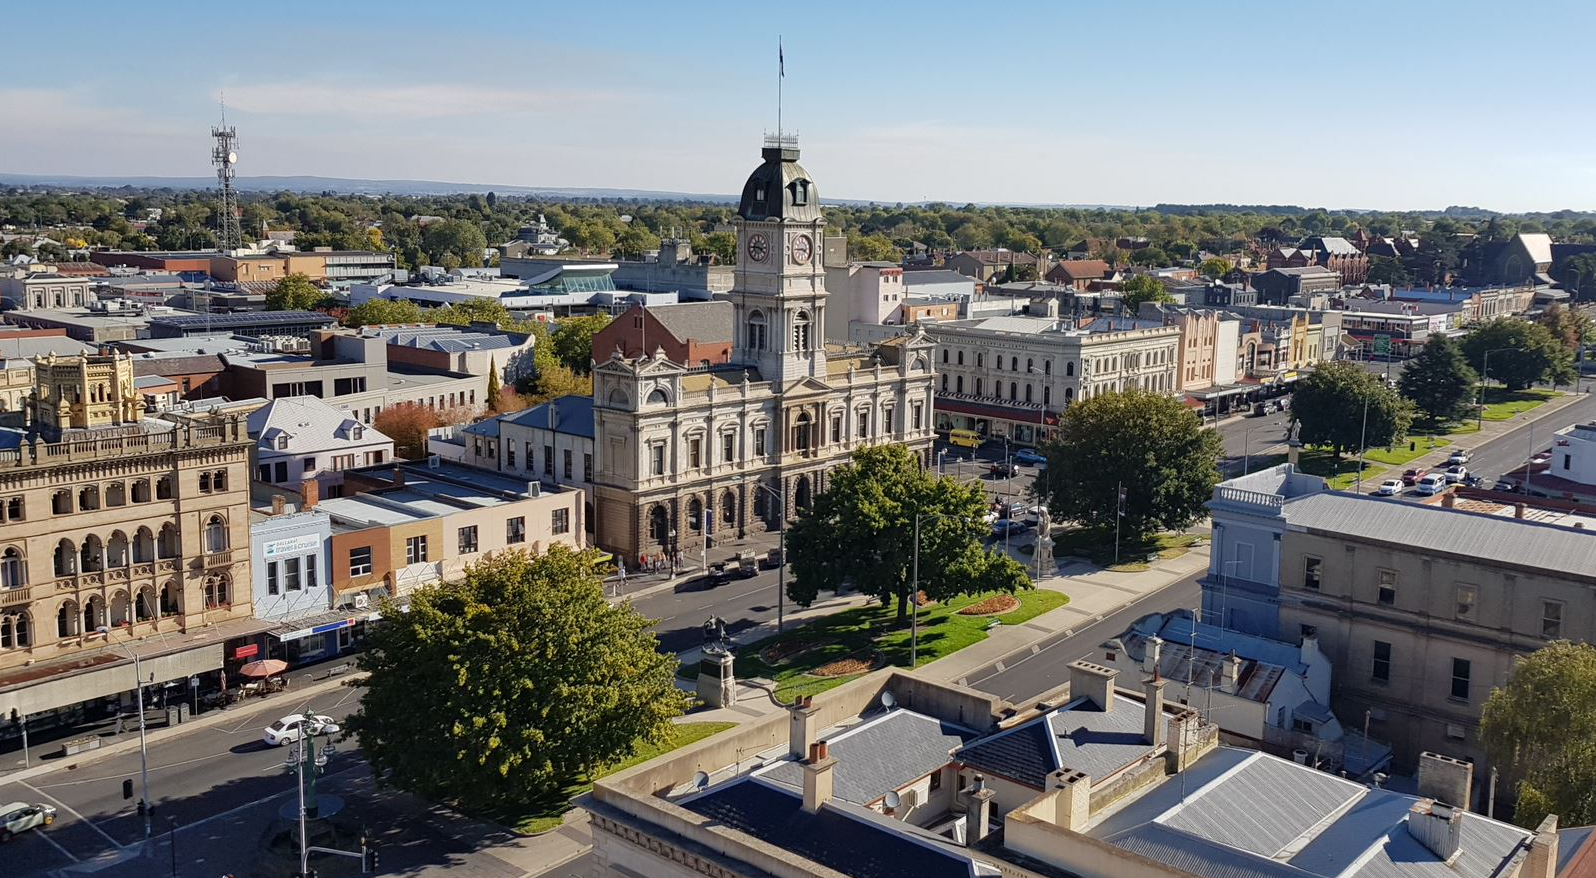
<point>700,780</point>
<point>888,700</point>
<point>893,799</point>
<point>232,158</point>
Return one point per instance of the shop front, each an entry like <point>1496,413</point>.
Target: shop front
<point>1020,424</point>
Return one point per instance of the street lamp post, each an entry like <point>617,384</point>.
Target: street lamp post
<point>144,751</point>
<point>1363,441</point>
<point>781,569</point>
<point>914,590</point>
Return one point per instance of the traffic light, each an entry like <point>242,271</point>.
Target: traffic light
<point>127,788</point>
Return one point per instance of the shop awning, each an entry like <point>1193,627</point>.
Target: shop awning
<point>987,410</point>
<point>322,623</point>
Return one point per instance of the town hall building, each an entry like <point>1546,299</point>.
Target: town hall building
<point>687,452</point>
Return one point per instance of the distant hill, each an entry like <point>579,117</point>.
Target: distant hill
<point>348,186</point>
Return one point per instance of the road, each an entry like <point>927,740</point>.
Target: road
<point>1029,672</point>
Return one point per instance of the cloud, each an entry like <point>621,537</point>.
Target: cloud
<point>406,101</point>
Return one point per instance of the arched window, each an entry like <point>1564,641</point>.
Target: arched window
<point>961,358</point>
<point>218,592</point>
<point>695,514</point>
<point>1014,391</point>
<point>119,608</point>
<point>14,509</point>
<point>659,525</point>
<point>219,478</point>
<point>14,631</point>
<point>1047,367</point>
<point>143,546</point>
<point>1030,365</point>
<point>800,331</point>
<point>163,488</point>
<point>658,395</point>
<point>756,331</point>
<point>801,430</point>
<point>116,494</point>
<point>12,573</point>
<point>66,558</point>
<point>944,382</point>
<point>1069,395</point>
<point>89,498</point>
<point>958,382</point>
<point>61,502</point>
<point>977,387</point>
<point>166,543</point>
<point>1047,395</point>
<point>619,398</point>
<point>1069,368</point>
<point>92,555</point>
<point>205,483</point>
<point>980,360</point>
<point>944,356</point>
<point>1028,393</point>
<point>93,614</point>
<point>215,534</point>
<point>169,600</point>
<point>1014,364</point>
<point>67,619</point>
<point>728,508</point>
<point>116,550</point>
<point>141,491</point>
<point>144,608</point>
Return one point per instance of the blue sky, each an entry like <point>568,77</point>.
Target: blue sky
<point>1403,104</point>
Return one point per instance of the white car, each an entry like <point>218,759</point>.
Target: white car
<point>1458,457</point>
<point>21,816</point>
<point>1455,474</point>
<point>288,729</point>
<point>1431,484</point>
<point>1390,488</point>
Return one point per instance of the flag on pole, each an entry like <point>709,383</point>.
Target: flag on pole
<point>781,59</point>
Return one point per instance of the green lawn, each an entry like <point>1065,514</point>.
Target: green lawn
<point>863,629</point>
<point>1341,474</point>
<point>544,816</point>
<point>1135,553</point>
<point>1502,404</point>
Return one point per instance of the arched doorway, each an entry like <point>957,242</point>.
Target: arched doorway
<point>659,525</point>
<point>803,493</point>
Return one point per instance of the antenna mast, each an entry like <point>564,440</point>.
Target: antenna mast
<point>224,155</point>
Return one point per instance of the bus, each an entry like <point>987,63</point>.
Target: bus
<point>966,438</point>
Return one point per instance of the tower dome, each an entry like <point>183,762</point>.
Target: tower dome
<point>780,189</point>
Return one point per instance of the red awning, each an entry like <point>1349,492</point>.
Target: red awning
<point>985,410</point>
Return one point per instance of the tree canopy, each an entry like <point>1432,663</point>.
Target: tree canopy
<point>1386,270</point>
<point>505,687</point>
<point>861,531</point>
<point>1568,326</point>
<point>573,341</point>
<point>294,292</point>
<point>1329,404</point>
<point>1542,726</point>
<point>1522,353</point>
<point>1439,381</point>
<point>1143,288</point>
<point>375,312</point>
<point>1214,268</point>
<point>461,239</point>
<point>1149,444</point>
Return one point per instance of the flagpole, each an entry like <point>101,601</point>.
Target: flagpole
<point>781,74</point>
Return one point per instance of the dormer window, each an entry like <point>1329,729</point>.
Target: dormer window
<point>800,192</point>
<point>357,432</point>
<point>759,193</point>
<point>282,442</point>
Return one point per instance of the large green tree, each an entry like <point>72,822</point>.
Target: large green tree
<point>1387,270</point>
<point>872,248</point>
<point>1571,328</point>
<point>1439,380</point>
<point>1340,405</point>
<point>1143,288</point>
<point>506,686</point>
<point>295,292</point>
<point>1542,727</point>
<point>1214,268</point>
<point>573,341</point>
<point>1148,444</point>
<point>374,312</point>
<point>860,531</point>
<point>1522,353</point>
<point>460,239</point>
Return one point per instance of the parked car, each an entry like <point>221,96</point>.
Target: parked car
<point>1002,470</point>
<point>747,564</point>
<point>1430,484</point>
<point>1028,457</point>
<point>288,729</point>
<point>1456,473</point>
<point>1459,457</point>
<point>1390,488</point>
<point>1505,486</point>
<point>1472,481</point>
<point>1542,457</point>
<point>716,575</point>
<point>1009,527</point>
<point>21,816</point>
<point>1411,477</point>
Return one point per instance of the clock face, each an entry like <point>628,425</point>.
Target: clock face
<point>802,249</point>
<point>758,247</point>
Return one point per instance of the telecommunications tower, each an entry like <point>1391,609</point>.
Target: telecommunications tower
<point>225,157</point>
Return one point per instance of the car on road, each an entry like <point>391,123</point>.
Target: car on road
<point>1456,473</point>
<point>1001,470</point>
<point>1542,457</point>
<point>1009,527</point>
<point>1458,457</point>
<point>21,817</point>
<point>1411,477</point>
<point>1431,483</point>
<point>288,729</point>
<point>1505,486</point>
<point>1028,457</point>
<point>1390,488</point>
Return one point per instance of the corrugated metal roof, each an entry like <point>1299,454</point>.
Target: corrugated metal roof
<point>1229,811</point>
<point>1487,539</point>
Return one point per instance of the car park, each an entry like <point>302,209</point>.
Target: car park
<point>288,729</point>
<point>19,817</point>
<point>1390,488</point>
<point>1028,457</point>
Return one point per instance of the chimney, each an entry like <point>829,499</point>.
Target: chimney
<point>1230,673</point>
<point>1518,510</point>
<point>1153,719</point>
<point>1448,500</point>
<point>1310,649</point>
<point>1155,648</point>
<point>1093,681</point>
<point>398,477</point>
<point>1436,826</point>
<point>1072,799</point>
<point>279,504</point>
<point>1542,859</point>
<point>801,726</point>
<point>311,490</point>
<point>1446,779</point>
<point>817,776</point>
<point>978,811</point>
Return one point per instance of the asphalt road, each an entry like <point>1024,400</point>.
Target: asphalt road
<point>1029,672</point>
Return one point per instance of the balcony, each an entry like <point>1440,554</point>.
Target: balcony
<point>214,559</point>
<point>13,596</point>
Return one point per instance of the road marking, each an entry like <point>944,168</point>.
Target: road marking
<point>57,845</point>
<point>230,812</point>
<point>153,769</point>
<point>73,811</point>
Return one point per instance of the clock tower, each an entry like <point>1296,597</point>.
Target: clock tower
<point>779,287</point>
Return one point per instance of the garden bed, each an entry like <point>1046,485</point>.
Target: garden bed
<point>784,651</point>
<point>861,662</point>
<point>995,605</point>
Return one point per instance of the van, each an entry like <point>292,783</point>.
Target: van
<point>1431,484</point>
<point>966,438</point>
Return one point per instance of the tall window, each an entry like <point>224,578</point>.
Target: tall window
<point>756,331</point>
<point>291,575</point>
<point>1387,591</point>
<point>561,523</point>
<point>515,530</point>
<point>728,447</point>
<point>656,454</point>
<point>415,550</point>
<point>1311,573</point>
<point>567,463</point>
<point>800,331</point>
<point>1381,670</point>
<point>11,569</point>
<point>360,561</point>
<point>1460,679</point>
<point>1551,620</point>
<point>468,540</point>
<point>215,534</point>
<point>695,452</point>
<point>864,425</point>
<point>273,584</point>
<point>918,413</point>
<point>548,460</point>
<point>759,441</point>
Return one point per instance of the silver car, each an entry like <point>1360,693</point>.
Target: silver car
<point>21,816</point>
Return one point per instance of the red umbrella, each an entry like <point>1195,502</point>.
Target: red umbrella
<point>264,668</point>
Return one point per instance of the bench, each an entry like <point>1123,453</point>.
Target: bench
<point>80,745</point>
<point>335,670</point>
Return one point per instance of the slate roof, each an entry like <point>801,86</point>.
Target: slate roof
<point>1302,270</point>
<point>1078,735</point>
<point>1204,668</point>
<point>884,754</point>
<point>311,425</point>
<point>13,348</point>
<point>1335,246</point>
<point>696,321</point>
<point>449,339</point>
<point>1469,535</point>
<point>836,837</point>
<point>572,415</point>
<point>929,276</point>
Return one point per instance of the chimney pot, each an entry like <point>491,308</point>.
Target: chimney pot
<point>1518,510</point>
<point>1445,779</point>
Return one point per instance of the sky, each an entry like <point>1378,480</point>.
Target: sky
<point>1394,105</point>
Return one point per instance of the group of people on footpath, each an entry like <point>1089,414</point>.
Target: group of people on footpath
<point>659,562</point>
